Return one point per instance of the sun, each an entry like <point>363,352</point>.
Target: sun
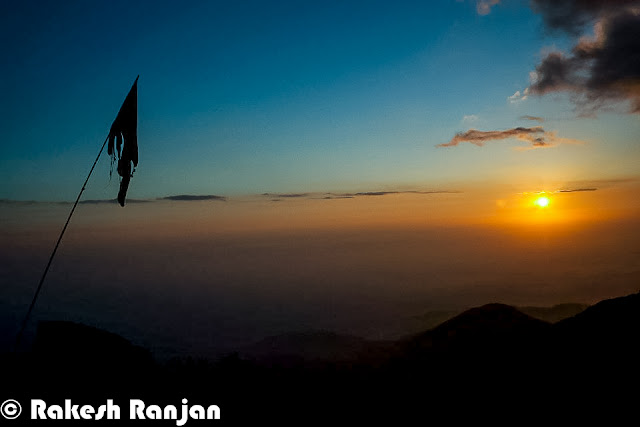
<point>542,202</point>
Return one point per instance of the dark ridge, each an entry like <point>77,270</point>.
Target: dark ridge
<point>486,326</point>
<point>433,318</point>
<point>556,313</point>
<point>487,363</point>
<point>189,197</point>
<point>480,343</point>
<point>69,345</point>
<point>613,323</point>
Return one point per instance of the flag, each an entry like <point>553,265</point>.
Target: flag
<point>123,140</point>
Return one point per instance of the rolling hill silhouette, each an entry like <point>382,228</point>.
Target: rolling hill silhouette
<point>555,313</point>
<point>603,340</point>
<point>488,360</point>
<point>428,320</point>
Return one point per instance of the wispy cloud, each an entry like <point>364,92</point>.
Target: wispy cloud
<point>376,193</point>
<point>518,96</point>
<point>469,119</point>
<point>600,71</point>
<point>191,198</point>
<point>532,118</point>
<point>386,193</point>
<point>286,196</point>
<point>344,196</point>
<point>536,136</point>
<point>576,190</point>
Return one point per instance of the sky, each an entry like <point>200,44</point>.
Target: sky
<point>345,166</point>
<point>256,97</point>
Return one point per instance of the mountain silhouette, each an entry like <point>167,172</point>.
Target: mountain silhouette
<point>480,331</point>
<point>74,345</point>
<point>487,362</point>
<point>415,324</point>
<point>555,313</point>
<point>603,339</point>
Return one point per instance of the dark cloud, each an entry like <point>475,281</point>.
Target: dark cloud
<point>376,193</point>
<point>572,16</point>
<point>288,196</point>
<point>343,196</point>
<point>577,190</point>
<point>555,73</point>
<point>532,118</point>
<point>536,136</point>
<point>433,192</point>
<point>601,70</point>
<point>384,193</point>
<point>189,198</point>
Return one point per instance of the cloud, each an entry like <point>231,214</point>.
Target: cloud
<point>288,196</point>
<point>471,118</point>
<point>532,118</point>
<point>577,190</point>
<point>190,198</point>
<point>536,136</point>
<point>597,184</point>
<point>518,97</point>
<point>376,193</point>
<point>600,71</point>
<point>337,197</point>
<point>572,16</point>
<point>385,193</point>
<point>483,7</point>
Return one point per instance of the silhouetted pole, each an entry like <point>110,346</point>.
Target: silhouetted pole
<point>55,249</point>
<point>46,270</point>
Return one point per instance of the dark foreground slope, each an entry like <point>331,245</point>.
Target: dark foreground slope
<point>491,363</point>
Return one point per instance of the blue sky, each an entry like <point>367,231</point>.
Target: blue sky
<point>252,97</point>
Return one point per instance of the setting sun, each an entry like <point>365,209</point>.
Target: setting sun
<point>542,202</point>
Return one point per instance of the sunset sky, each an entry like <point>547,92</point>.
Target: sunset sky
<point>371,160</point>
<point>253,97</point>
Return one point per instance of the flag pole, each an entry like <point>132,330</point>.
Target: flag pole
<point>55,249</point>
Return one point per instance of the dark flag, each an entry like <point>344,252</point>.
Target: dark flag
<point>123,140</point>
